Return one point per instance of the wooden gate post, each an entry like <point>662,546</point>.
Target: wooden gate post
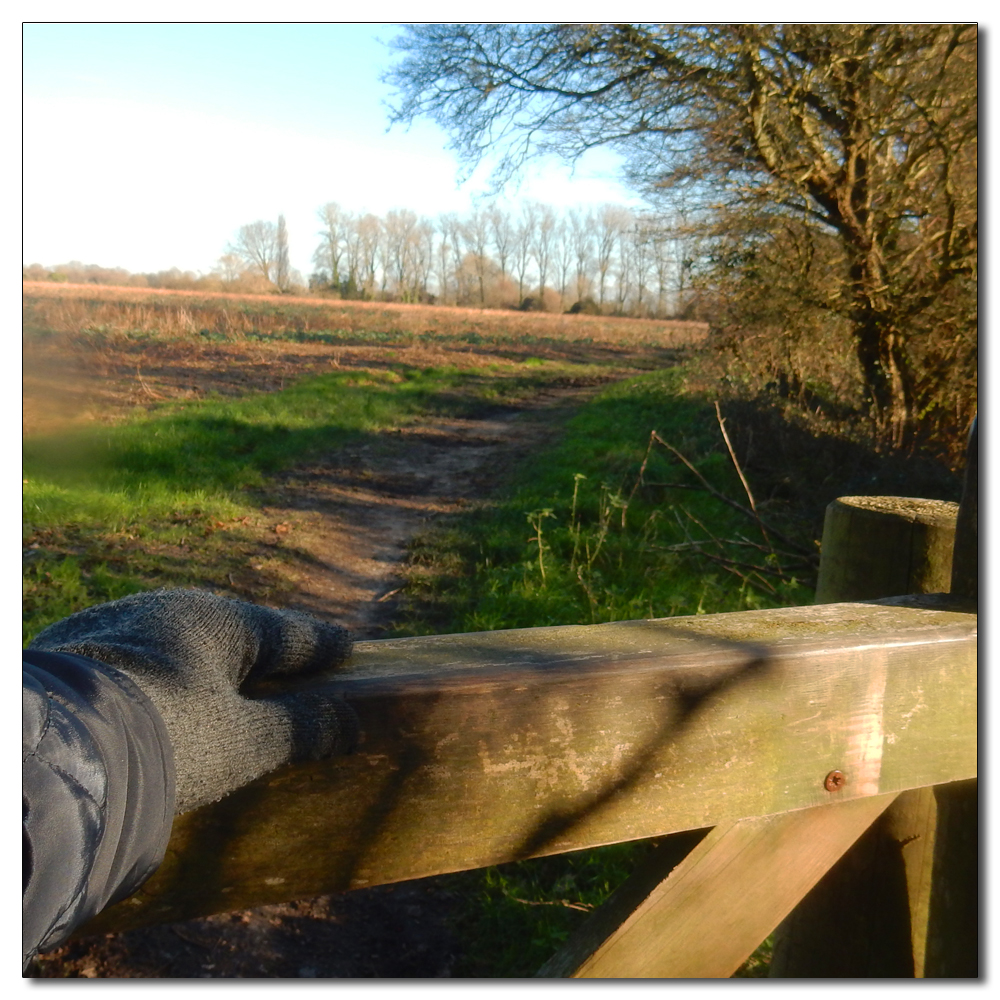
<point>884,547</point>
<point>903,901</point>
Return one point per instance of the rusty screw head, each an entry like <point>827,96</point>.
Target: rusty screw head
<point>834,781</point>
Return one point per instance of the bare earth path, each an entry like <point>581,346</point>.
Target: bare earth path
<point>358,509</point>
<point>353,512</point>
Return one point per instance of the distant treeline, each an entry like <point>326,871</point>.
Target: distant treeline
<point>78,273</point>
<point>606,260</point>
<point>603,260</point>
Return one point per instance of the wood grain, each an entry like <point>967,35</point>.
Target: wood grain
<point>879,899</point>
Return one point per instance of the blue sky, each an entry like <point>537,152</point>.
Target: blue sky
<point>147,145</point>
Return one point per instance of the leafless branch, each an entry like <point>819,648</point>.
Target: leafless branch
<point>585,907</point>
<point>746,511</point>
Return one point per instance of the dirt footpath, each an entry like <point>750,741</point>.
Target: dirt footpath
<point>357,510</point>
<point>354,511</point>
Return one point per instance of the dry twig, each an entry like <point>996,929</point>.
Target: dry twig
<point>746,511</point>
<point>145,388</point>
<point>638,481</point>
<point>732,455</point>
<point>585,907</point>
<point>730,565</point>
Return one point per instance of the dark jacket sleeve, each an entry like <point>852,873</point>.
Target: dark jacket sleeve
<point>98,793</point>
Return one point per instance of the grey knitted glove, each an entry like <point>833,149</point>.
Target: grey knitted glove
<point>189,651</point>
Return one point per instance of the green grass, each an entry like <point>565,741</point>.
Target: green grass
<point>165,498</point>
<point>515,916</point>
<point>575,538</point>
<point>216,446</point>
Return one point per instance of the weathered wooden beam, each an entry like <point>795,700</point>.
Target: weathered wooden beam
<point>495,746</point>
<point>951,942</point>
<point>898,900</point>
<point>704,917</point>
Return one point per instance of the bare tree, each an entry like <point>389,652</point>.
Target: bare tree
<point>524,238</point>
<point>611,221</point>
<point>452,236</point>
<point>642,251</point>
<point>662,269</point>
<point>502,230</point>
<point>582,232</point>
<point>257,245</point>
<point>400,234</point>
<point>446,266</point>
<point>370,248</point>
<point>423,255</point>
<point>541,246</point>
<point>476,231</point>
<point>230,267</point>
<point>457,233</point>
<point>335,235</point>
<point>353,280</point>
<point>564,258</point>
<point>623,273</point>
<point>384,255</point>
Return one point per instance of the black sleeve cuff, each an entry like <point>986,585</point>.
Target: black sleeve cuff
<point>98,792</point>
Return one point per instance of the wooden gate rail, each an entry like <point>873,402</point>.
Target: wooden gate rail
<point>491,747</point>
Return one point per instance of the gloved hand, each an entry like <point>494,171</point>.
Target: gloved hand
<point>189,651</point>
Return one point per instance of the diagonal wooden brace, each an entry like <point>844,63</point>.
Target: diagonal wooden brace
<point>707,915</point>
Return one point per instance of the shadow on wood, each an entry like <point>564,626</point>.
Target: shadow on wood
<point>489,747</point>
